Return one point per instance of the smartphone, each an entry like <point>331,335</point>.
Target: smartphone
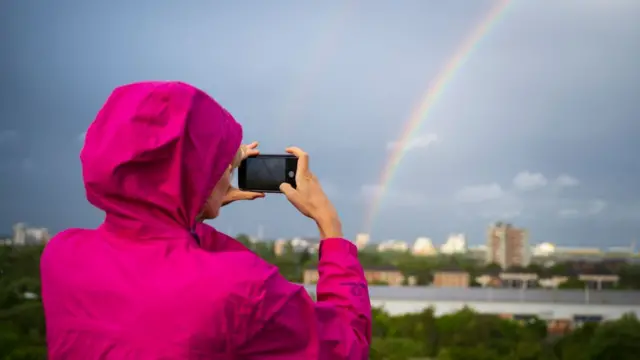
<point>265,173</point>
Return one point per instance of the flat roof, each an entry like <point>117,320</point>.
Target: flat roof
<point>430,293</point>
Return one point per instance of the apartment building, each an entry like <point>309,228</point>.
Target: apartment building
<point>451,278</point>
<point>387,275</point>
<point>508,246</point>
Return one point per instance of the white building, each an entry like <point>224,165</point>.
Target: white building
<point>24,235</point>
<point>393,245</point>
<point>571,250</point>
<point>19,234</point>
<point>543,249</point>
<point>362,239</point>
<point>424,246</point>
<point>279,247</point>
<point>456,244</point>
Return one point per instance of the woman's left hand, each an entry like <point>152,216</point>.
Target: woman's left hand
<point>235,194</point>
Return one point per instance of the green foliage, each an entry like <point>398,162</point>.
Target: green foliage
<point>467,335</point>
<point>616,340</point>
<point>572,283</point>
<point>22,328</point>
<point>464,335</point>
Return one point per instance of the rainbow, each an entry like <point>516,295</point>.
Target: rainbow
<point>421,113</point>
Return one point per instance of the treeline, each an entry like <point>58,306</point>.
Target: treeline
<point>467,335</point>
<point>461,336</point>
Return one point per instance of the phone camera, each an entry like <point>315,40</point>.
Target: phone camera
<point>291,174</point>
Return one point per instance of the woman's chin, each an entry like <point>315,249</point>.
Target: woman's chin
<point>212,211</point>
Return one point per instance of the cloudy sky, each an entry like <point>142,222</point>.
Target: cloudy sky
<point>539,127</point>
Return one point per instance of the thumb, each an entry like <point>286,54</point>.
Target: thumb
<point>288,191</point>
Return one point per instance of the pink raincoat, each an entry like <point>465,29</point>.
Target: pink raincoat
<point>151,283</point>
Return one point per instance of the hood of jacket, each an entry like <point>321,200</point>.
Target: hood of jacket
<point>153,155</point>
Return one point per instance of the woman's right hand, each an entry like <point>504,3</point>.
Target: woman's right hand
<point>309,198</point>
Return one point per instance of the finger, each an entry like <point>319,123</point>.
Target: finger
<point>250,195</point>
<point>303,159</point>
<point>251,152</point>
<point>288,191</point>
<point>253,145</point>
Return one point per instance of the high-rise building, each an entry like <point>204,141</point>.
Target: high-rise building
<point>362,240</point>
<point>279,247</point>
<point>508,246</point>
<point>19,234</point>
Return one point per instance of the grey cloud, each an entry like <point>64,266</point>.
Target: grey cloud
<point>587,208</point>
<point>566,181</point>
<point>526,181</point>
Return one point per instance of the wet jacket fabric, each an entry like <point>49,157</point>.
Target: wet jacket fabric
<point>153,283</point>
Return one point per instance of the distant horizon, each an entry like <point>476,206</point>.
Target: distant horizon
<point>437,245</point>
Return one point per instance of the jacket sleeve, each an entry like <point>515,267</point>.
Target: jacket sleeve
<point>214,241</point>
<point>285,323</point>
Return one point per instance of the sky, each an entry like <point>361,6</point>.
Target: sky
<point>539,127</point>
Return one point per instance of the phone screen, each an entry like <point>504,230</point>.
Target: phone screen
<point>267,172</point>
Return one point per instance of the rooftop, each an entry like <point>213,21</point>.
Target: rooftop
<point>427,293</point>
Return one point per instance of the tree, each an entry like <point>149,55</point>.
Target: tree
<point>395,349</point>
<point>619,340</point>
<point>572,283</point>
<point>22,327</point>
<point>492,268</point>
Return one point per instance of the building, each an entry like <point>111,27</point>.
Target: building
<point>596,275</point>
<point>456,244</point>
<point>393,245</point>
<point>279,247</point>
<point>578,254</point>
<point>559,308</point>
<point>362,240</point>
<point>423,247</point>
<point>477,253</point>
<point>543,250</point>
<point>552,282</point>
<point>387,275</point>
<point>300,245</point>
<point>518,279</point>
<point>24,235</point>
<point>508,246</point>
<point>451,278</point>
<point>599,281</point>
<point>19,234</point>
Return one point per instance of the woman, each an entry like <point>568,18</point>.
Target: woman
<point>154,282</point>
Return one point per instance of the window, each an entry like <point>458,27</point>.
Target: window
<point>580,320</point>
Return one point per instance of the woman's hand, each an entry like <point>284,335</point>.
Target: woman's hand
<point>309,198</point>
<point>235,194</point>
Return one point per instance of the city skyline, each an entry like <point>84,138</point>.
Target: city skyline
<point>538,127</point>
<point>455,244</point>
